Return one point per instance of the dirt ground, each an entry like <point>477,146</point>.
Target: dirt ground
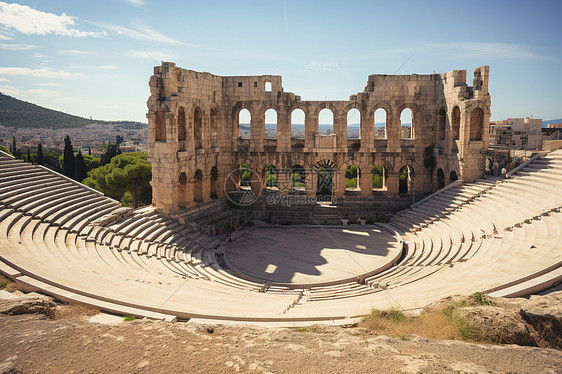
<point>71,344</point>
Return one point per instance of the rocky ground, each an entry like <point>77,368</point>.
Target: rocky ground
<point>59,339</point>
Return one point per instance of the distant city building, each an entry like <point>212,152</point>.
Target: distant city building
<point>516,132</point>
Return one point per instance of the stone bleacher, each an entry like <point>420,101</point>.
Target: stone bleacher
<point>501,237</point>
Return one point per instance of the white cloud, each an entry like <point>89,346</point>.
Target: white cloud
<point>157,56</point>
<point>29,21</point>
<point>39,72</point>
<point>42,92</point>
<point>9,90</point>
<point>39,55</point>
<point>18,47</point>
<point>326,66</point>
<point>486,50</point>
<point>74,52</point>
<point>106,67</point>
<point>137,3</point>
<point>4,79</point>
<point>5,37</point>
<point>143,33</point>
<point>48,84</point>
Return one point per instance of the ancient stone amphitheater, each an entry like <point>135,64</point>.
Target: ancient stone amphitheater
<point>502,237</point>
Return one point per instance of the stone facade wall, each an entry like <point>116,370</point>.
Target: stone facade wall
<point>194,145</point>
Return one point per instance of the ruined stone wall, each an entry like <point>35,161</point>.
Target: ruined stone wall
<point>194,145</point>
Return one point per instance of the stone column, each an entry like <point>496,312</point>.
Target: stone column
<point>392,185</point>
<point>340,128</point>
<point>257,133</point>
<point>283,132</point>
<point>283,181</point>
<point>338,184</point>
<point>393,133</point>
<point>367,132</point>
<point>366,183</point>
<point>311,183</point>
<point>206,187</point>
<point>310,131</point>
<point>464,133</point>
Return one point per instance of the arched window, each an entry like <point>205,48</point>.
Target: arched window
<point>326,122</point>
<point>353,124</point>
<point>352,175</point>
<point>298,177</point>
<point>406,119</point>
<point>380,123</point>
<point>267,86</point>
<point>271,124</point>
<point>405,179</point>
<point>476,124</point>
<point>214,178</point>
<point>441,121</point>
<point>379,177</point>
<point>440,179</point>
<point>198,186</point>
<point>160,126</point>
<point>244,127</point>
<point>453,176</point>
<point>297,123</point>
<point>271,176</point>
<point>456,123</point>
<point>197,123</point>
<point>182,190</point>
<point>182,132</point>
<point>245,175</point>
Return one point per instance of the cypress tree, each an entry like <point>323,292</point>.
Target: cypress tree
<point>81,172</point>
<point>28,155</point>
<point>68,165</point>
<point>39,154</point>
<point>14,146</point>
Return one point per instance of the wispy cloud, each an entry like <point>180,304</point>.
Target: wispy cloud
<point>145,33</point>
<point>324,66</point>
<point>39,72</point>
<point>486,50</point>
<point>74,52</point>
<point>5,37</point>
<point>41,92</point>
<point>38,55</point>
<point>137,3</point>
<point>18,47</point>
<point>153,55</point>
<point>29,21</point>
<point>4,79</point>
<point>48,84</point>
<point>106,67</point>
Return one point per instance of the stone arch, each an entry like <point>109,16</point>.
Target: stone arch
<point>182,124</point>
<point>298,177</point>
<point>297,131</point>
<point>267,85</point>
<point>214,177</point>
<point>271,176</point>
<point>329,117</point>
<point>405,179</point>
<point>325,170</point>
<point>270,133</point>
<point>441,123</point>
<point>198,186</point>
<point>380,115</point>
<point>453,176</point>
<point>476,124</point>
<point>455,123</point>
<point>244,114</point>
<point>352,177</point>
<point>407,132</point>
<point>440,179</point>
<point>353,117</point>
<point>197,123</point>
<point>160,125</point>
<point>182,190</point>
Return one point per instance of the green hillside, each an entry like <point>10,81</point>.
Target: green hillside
<point>21,114</point>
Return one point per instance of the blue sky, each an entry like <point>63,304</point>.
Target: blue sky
<point>94,58</point>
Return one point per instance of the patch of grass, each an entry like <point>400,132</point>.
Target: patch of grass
<point>70,311</point>
<point>129,318</point>
<point>300,329</point>
<point>7,285</point>
<point>440,324</point>
<point>480,298</point>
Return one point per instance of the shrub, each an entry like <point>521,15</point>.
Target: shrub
<point>480,298</point>
<point>129,318</point>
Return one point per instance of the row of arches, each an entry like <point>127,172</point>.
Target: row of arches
<point>195,123</point>
<point>197,187</point>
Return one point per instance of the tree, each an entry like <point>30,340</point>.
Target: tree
<point>130,172</point>
<point>69,164</point>
<point>91,162</point>
<point>39,154</point>
<point>81,172</point>
<point>14,145</point>
<point>112,151</point>
<point>28,156</point>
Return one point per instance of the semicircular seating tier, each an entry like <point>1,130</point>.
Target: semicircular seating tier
<point>499,237</point>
